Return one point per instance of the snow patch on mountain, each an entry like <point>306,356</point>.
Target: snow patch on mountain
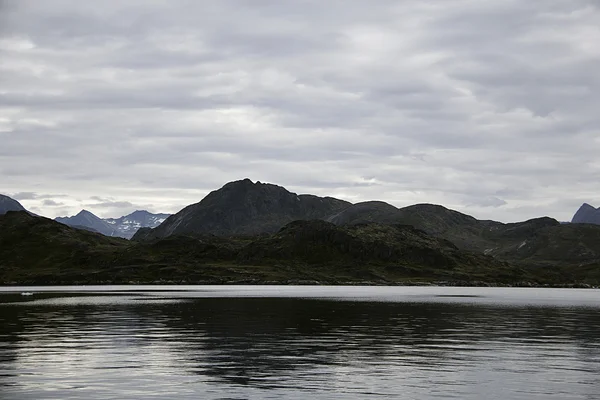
<point>128,225</point>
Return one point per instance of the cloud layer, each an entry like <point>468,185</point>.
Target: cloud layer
<point>488,107</point>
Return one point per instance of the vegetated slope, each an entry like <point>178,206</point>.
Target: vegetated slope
<point>36,250</point>
<point>42,251</point>
<point>34,246</point>
<point>245,208</point>
<point>569,245</point>
<point>382,251</point>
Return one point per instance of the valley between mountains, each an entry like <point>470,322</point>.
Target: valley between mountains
<point>258,233</point>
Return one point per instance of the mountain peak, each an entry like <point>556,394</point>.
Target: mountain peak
<point>9,204</point>
<point>87,219</point>
<point>587,214</point>
<point>242,182</point>
<point>85,212</point>
<point>244,208</point>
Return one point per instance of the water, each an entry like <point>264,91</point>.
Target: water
<point>299,343</point>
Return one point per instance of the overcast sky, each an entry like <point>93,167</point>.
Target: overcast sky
<point>489,107</point>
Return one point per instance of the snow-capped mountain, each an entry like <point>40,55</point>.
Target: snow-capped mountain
<point>125,226</point>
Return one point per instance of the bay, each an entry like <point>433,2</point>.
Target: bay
<point>299,342</point>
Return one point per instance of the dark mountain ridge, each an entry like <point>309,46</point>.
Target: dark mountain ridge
<point>504,241</point>
<point>245,208</point>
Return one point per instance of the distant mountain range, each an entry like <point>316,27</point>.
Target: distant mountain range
<point>587,215</point>
<point>124,227</point>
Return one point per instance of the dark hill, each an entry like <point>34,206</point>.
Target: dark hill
<point>504,241</point>
<point>399,248</point>
<point>434,219</point>
<point>7,204</point>
<point>570,244</point>
<point>35,245</point>
<point>36,250</point>
<point>368,211</point>
<point>244,208</point>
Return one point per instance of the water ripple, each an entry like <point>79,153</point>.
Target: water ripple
<point>161,345</point>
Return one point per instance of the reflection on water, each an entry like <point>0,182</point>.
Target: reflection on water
<point>156,345</point>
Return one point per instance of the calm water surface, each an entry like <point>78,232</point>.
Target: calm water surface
<point>202,342</point>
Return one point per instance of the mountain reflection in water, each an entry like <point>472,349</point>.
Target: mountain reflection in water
<point>57,345</point>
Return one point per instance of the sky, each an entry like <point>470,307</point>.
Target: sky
<point>488,107</point>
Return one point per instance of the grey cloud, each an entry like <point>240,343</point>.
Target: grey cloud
<point>488,202</point>
<point>486,107</point>
<point>24,196</point>
<point>102,202</point>
<point>35,196</point>
<point>52,203</point>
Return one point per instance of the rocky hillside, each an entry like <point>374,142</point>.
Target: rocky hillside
<point>245,208</point>
<point>8,204</point>
<point>587,215</point>
<point>32,246</point>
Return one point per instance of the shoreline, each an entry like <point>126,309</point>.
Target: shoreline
<point>577,285</point>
